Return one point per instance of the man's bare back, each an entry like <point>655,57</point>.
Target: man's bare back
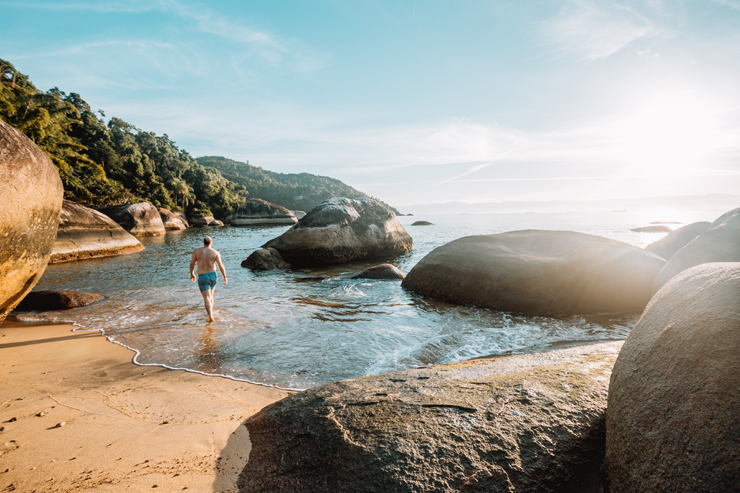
<point>207,259</point>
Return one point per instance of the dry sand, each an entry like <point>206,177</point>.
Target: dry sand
<point>126,427</point>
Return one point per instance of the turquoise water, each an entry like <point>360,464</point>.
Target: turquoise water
<point>302,328</point>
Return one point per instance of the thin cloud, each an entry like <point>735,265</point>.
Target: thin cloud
<point>596,30</point>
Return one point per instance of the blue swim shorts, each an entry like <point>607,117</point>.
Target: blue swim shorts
<point>207,281</point>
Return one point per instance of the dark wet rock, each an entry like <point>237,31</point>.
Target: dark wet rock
<point>256,212</point>
<point>140,219</point>
<point>31,197</point>
<point>56,300</point>
<point>382,271</point>
<point>721,243</point>
<point>730,218</point>
<point>672,421</point>
<point>652,229</point>
<point>86,233</point>
<point>671,243</point>
<point>341,230</point>
<point>265,259</point>
<point>172,221</point>
<point>532,423</point>
<point>538,273</point>
<point>421,223</point>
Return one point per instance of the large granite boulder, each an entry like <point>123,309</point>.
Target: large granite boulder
<point>255,212</point>
<point>265,259</point>
<point>671,243</point>
<point>86,233</point>
<point>531,423</point>
<point>340,230</point>
<point>56,300</point>
<point>205,221</point>
<point>172,221</point>
<point>673,420</point>
<point>538,273</point>
<point>721,243</point>
<point>31,197</point>
<point>382,271</point>
<point>140,219</point>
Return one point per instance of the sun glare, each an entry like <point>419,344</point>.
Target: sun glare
<point>672,134</point>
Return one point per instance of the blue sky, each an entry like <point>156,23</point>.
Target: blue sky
<point>415,101</point>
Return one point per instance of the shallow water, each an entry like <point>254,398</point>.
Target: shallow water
<point>302,328</point>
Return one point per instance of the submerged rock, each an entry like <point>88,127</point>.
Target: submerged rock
<point>538,273</point>
<point>86,233</point>
<point>260,212</point>
<point>382,271</point>
<point>652,229</point>
<point>671,243</point>
<point>56,300</point>
<point>672,421</point>
<point>341,230</point>
<point>31,197</point>
<point>140,219</point>
<point>721,243</point>
<point>265,259</point>
<point>521,423</point>
<point>171,220</point>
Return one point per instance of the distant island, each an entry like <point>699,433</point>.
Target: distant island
<point>103,164</point>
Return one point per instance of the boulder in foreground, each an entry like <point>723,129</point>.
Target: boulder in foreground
<point>672,421</point>
<point>171,220</point>
<point>56,300</point>
<point>86,233</point>
<point>140,219</point>
<point>671,243</point>
<point>538,273</point>
<point>31,197</point>
<point>255,212</point>
<point>523,423</point>
<point>382,271</point>
<point>341,230</point>
<point>265,259</point>
<point>721,243</point>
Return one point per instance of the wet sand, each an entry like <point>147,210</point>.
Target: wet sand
<point>123,427</point>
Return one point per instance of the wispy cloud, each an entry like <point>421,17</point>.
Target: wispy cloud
<point>593,30</point>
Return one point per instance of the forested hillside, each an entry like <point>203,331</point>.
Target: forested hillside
<point>296,191</point>
<point>115,163</point>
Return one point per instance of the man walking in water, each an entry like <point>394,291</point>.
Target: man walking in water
<point>207,259</point>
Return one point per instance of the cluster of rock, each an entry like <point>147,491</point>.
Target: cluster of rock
<point>140,219</point>
<point>29,215</point>
<point>337,231</point>
<point>257,212</point>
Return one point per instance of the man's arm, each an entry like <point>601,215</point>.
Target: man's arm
<point>221,268</point>
<point>192,266</point>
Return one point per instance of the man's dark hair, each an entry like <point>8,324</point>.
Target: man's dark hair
<point>207,241</point>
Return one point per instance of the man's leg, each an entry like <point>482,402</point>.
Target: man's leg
<point>208,301</point>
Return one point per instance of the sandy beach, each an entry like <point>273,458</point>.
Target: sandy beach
<point>77,415</point>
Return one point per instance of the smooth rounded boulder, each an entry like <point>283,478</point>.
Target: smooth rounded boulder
<point>171,220</point>
<point>538,273</point>
<point>721,243</point>
<point>31,196</point>
<point>56,300</point>
<point>265,259</point>
<point>513,424</point>
<point>671,243</point>
<point>86,233</point>
<point>672,419</point>
<point>421,223</point>
<point>341,230</point>
<point>140,219</point>
<point>255,212</point>
<point>382,271</point>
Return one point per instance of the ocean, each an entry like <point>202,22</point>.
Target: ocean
<point>302,328</point>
